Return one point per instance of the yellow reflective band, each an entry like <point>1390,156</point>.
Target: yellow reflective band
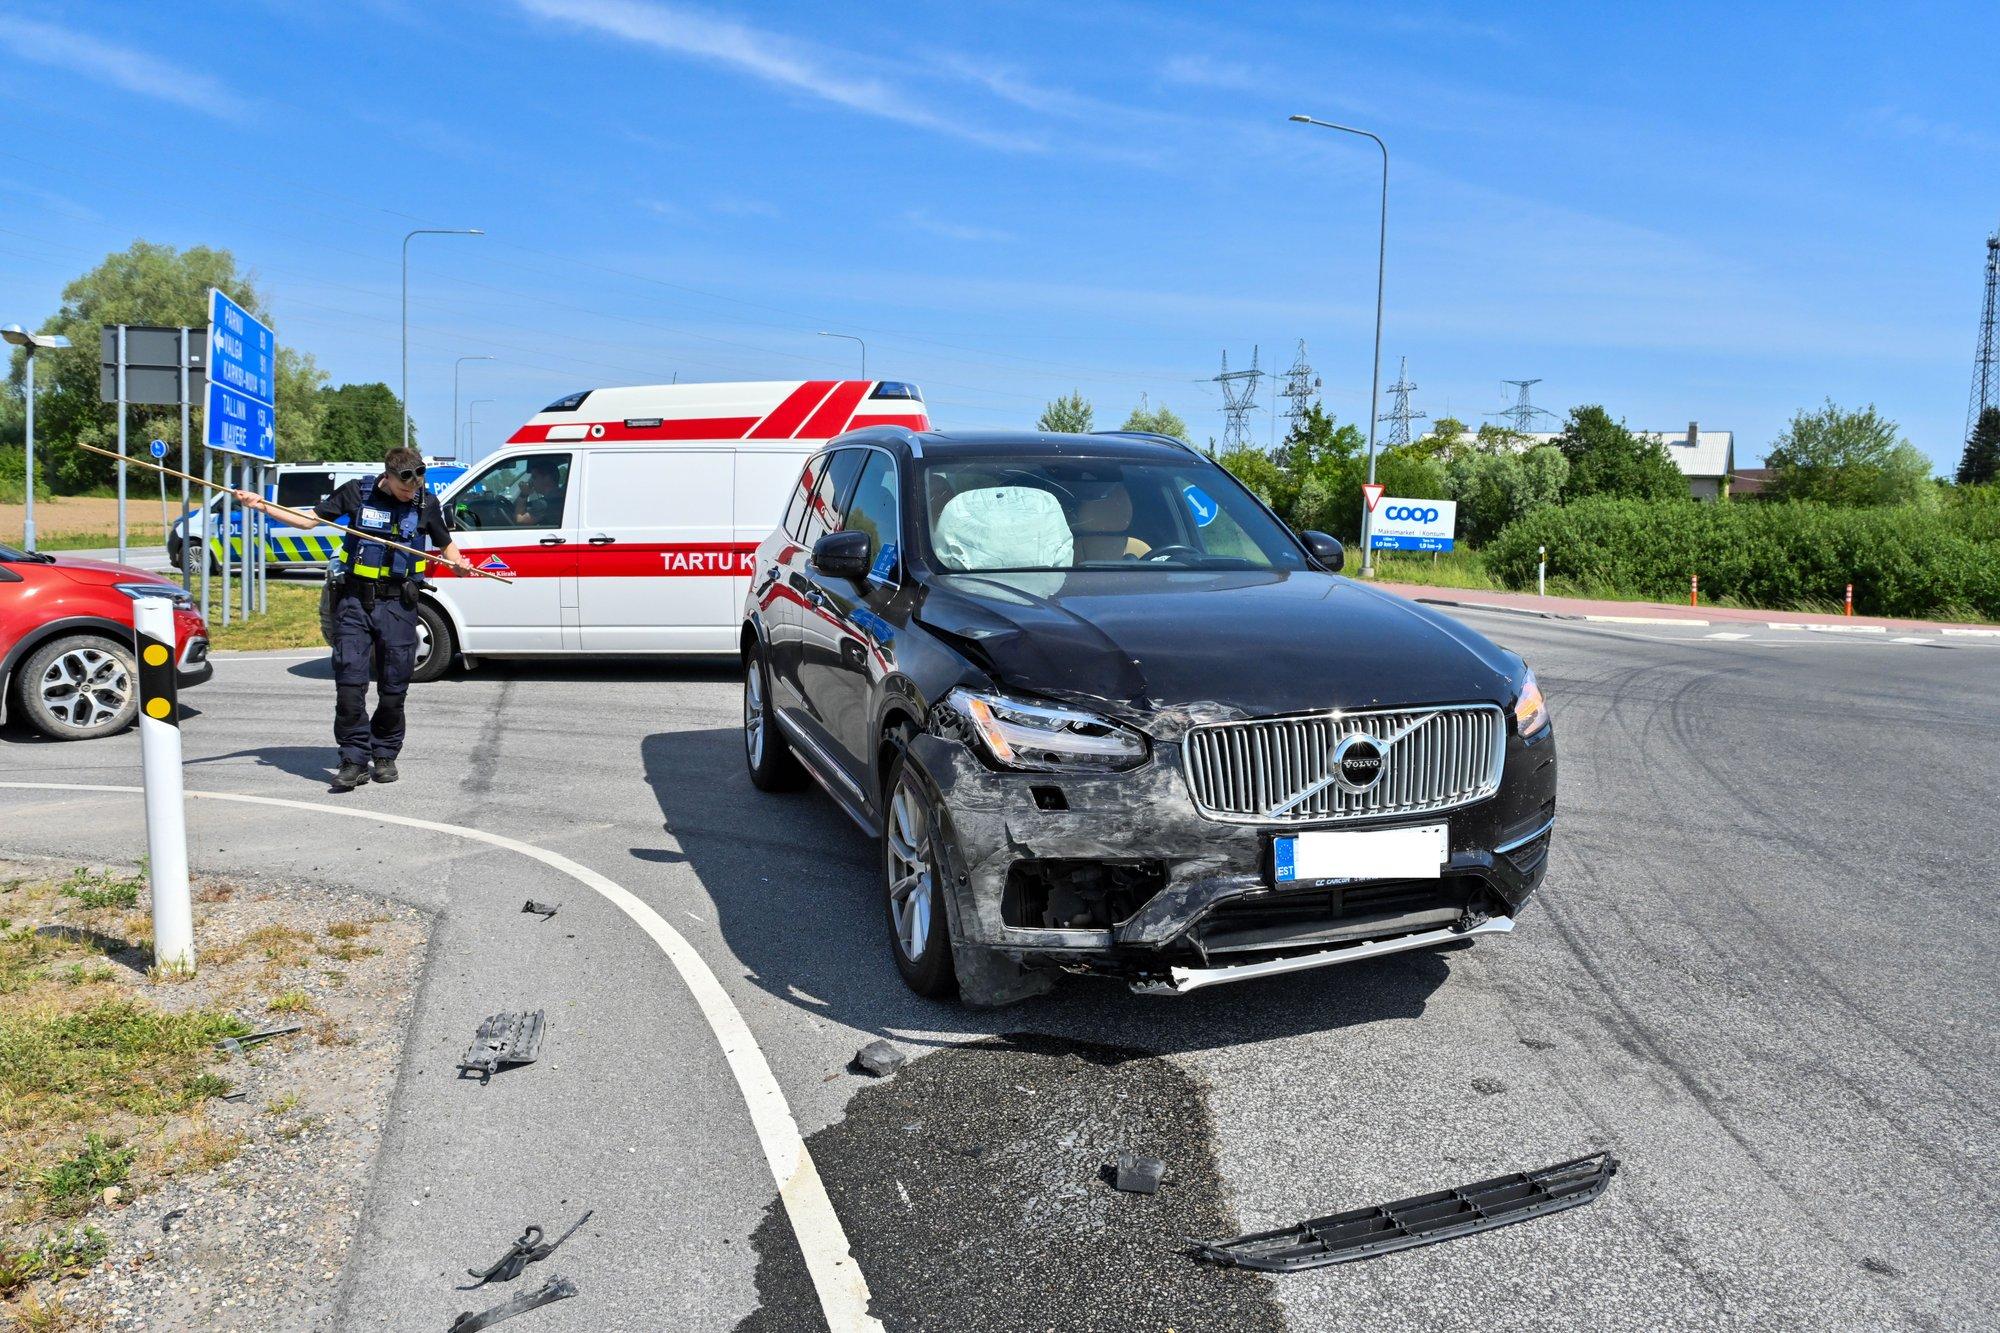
<point>368,571</point>
<point>156,655</point>
<point>158,708</point>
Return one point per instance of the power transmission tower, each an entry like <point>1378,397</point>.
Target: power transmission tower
<point>1986,360</point>
<point>1239,400</point>
<point>1301,387</point>
<point>1521,415</point>
<point>1399,416</point>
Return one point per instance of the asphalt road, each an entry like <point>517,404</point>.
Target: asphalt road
<point>1760,972</point>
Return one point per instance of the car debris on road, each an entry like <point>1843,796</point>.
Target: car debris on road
<point>543,910</point>
<point>1364,1233</point>
<point>879,1058</point>
<point>1135,1174</point>
<point>529,1249</point>
<point>236,1045</point>
<point>504,1040</point>
<point>555,1289</point>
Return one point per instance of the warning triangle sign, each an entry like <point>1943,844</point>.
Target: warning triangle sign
<point>1372,492</point>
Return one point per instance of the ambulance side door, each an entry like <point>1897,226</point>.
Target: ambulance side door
<point>516,516</point>
<point>657,561</point>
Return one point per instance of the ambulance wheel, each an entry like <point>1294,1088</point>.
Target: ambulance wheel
<point>435,645</point>
<point>773,766</point>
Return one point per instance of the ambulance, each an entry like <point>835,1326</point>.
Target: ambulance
<point>627,517</point>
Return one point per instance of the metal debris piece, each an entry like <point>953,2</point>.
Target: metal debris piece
<point>503,1040</point>
<point>879,1058</point>
<point>1367,1232</point>
<point>543,910</point>
<point>527,1250</point>
<point>556,1289</point>
<point>236,1045</point>
<point>167,1222</point>
<point>1137,1175</point>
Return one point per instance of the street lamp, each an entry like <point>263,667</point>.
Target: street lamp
<point>471,411</point>
<point>454,398</point>
<point>33,342</point>
<point>420,231</point>
<point>1381,260</point>
<point>851,337</point>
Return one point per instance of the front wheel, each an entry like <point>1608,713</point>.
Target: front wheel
<point>79,687</point>
<point>919,930</point>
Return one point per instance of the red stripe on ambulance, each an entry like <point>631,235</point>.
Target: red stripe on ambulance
<point>832,416</point>
<point>786,416</point>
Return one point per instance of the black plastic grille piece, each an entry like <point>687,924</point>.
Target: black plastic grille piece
<point>1385,1228</point>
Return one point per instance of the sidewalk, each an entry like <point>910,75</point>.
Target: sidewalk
<point>1582,608</point>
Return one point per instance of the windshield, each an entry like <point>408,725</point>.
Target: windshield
<point>993,514</point>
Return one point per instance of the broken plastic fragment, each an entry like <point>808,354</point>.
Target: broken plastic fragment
<point>543,910</point>
<point>503,1040</point>
<point>556,1289</point>
<point>1385,1228</point>
<point>235,1045</point>
<point>879,1058</point>
<point>527,1250</point>
<point>1137,1175</point>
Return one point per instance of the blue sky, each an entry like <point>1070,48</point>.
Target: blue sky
<point>1713,212</point>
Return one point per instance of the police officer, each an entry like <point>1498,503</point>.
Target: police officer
<point>375,606</point>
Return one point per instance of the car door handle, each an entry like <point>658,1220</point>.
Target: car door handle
<point>602,540</point>
<point>554,541</point>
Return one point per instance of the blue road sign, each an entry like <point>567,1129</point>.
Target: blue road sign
<point>241,415</point>
<point>159,448</point>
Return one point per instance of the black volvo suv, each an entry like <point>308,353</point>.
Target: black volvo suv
<point>1106,714</point>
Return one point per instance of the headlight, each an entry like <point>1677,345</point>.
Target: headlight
<point>176,595</point>
<point>1044,738</point>
<point>1531,711</point>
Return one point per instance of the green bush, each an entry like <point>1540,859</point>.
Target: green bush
<point>1902,561</point>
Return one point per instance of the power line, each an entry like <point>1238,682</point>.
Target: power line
<point>1521,415</point>
<point>1239,400</point>
<point>1399,416</point>
<point>1985,360</point>
<point>1301,388</point>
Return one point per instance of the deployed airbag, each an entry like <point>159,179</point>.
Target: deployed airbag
<point>1003,527</point>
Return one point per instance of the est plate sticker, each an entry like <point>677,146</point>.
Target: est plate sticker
<point>1390,853</point>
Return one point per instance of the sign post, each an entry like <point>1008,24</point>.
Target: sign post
<point>158,449</point>
<point>241,418</point>
<point>166,806</point>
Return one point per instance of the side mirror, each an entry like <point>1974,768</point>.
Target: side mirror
<point>842,555</point>
<point>1327,550</point>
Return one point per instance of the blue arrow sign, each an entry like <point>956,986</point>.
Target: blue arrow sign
<point>159,448</point>
<point>241,415</point>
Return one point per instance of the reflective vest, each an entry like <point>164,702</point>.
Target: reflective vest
<point>383,515</point>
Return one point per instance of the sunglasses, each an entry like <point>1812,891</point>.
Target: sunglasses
<point>409,473</point>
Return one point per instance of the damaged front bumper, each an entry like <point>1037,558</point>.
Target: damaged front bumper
<point>1118,874</point>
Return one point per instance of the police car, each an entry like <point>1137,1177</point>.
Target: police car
<point>627,517</point>
<point>297,486</point>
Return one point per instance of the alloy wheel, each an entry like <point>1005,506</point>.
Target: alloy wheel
<point>910,871</point>
<point>753,711</point>
<point>86,687</point>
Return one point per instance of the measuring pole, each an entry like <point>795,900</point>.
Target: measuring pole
<point>228,485</point>
<point>121,444</point>
<point>160,760</point>
<point>187,526</point>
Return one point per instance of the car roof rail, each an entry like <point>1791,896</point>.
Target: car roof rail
<point>1154,436</point>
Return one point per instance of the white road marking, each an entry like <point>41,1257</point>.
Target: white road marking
<point>1645,620</point>
<point>1983,633</point>
<point>842,1288</point>
<point>1912,638</point>
<point>1725,635</point>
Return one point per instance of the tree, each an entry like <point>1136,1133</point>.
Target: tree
<point>1981,462</point>
<point>1161,420</point>
<point>1847,458</point>
<point>361,423</point>
<point>1607,459</point>
<point>1069,415</point>
<point>1443,439</point>
<point>145,284</point>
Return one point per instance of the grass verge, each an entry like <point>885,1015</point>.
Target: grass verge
<point>293,621</point>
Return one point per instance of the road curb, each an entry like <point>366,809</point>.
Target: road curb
<point>1495,606</point>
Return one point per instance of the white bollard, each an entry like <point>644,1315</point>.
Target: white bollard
<point>1542,572</point>
<point>166,807</point>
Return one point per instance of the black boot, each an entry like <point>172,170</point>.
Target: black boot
<point>385,770</point>
<point>350,776</point>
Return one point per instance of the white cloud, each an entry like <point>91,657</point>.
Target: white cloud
<point>772,57</point>
<point>956,231</point>
<point>118,66</point>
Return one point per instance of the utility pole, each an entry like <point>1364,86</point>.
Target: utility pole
<point>1399,416</point>
<point>1301,388</point>
<point>1986,358</point>
<point>1239,400</point>
<point>420,231</point>
<point>1522,413</point>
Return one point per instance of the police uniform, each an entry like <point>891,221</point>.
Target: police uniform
<point>375,611</point>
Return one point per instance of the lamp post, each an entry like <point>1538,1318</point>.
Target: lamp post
<point>33,342</point>
<point>471,412</point>
<point>1381,263</point>
<point>454,398</point>
<point>420,231</point>
<point>852,338</point>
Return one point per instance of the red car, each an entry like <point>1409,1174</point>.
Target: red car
<point>66,642</point>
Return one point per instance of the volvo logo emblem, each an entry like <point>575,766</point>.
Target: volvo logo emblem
<point>1357,763</point>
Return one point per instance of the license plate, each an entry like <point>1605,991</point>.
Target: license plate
<point>1390,853</point>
